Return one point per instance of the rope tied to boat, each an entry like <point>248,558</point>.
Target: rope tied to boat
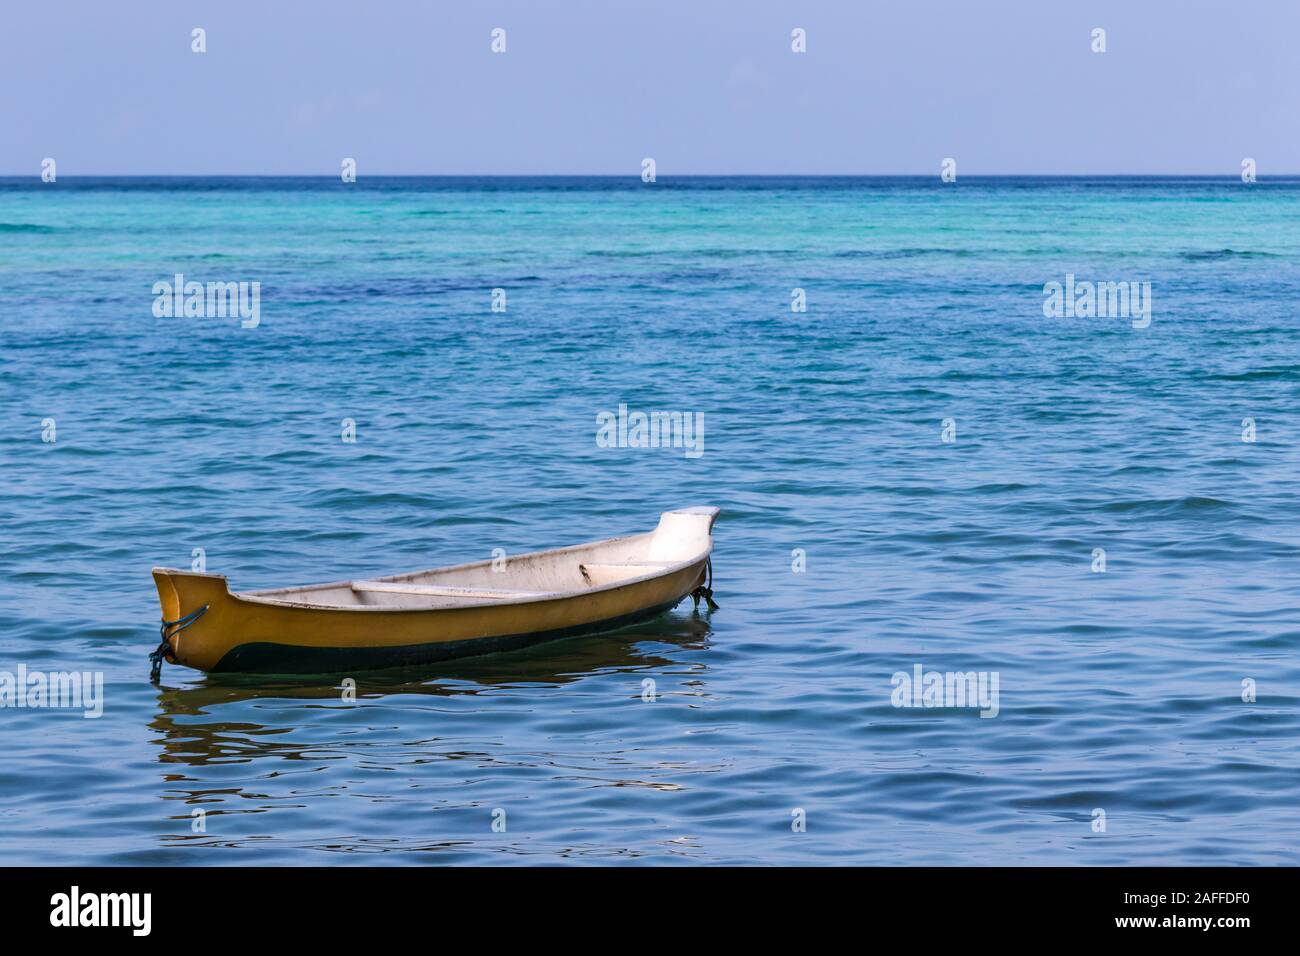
<point>163,652</point>
<point>705,590</point>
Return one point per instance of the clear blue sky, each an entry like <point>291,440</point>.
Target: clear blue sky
<point>703,86</point>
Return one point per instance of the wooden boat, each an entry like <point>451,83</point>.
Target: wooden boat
<point>435,615</point>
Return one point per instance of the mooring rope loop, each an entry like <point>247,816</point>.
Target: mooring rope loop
<point>164,649</point>
<point>705,590</point>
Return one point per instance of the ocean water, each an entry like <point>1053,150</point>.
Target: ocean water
<point>1119,690</point>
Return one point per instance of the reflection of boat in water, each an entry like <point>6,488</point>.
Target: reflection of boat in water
<point>436,615</point>
<point>208,722</point>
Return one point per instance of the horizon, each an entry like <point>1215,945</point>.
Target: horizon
<point>1227,177</point>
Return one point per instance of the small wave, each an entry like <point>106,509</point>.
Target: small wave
<point>24,227</point>
<point>910,253</point>
<point>1213,255</point>
<point>1168,506</point>
<point>995,488</point>
<point>359,499</point>
<point>1275,371</point>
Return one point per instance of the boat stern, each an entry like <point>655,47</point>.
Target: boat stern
<point>191,605</point>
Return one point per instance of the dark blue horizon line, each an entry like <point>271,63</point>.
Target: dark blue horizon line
<point>635,177</point>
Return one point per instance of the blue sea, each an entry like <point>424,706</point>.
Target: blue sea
<point>923,468</point>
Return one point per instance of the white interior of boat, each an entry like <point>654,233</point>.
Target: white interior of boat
<point>682,538</point>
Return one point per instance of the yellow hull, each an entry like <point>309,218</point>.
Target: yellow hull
<point>435,615</point>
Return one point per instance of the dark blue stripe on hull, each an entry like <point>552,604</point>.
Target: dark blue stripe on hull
<point>269,658</point>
